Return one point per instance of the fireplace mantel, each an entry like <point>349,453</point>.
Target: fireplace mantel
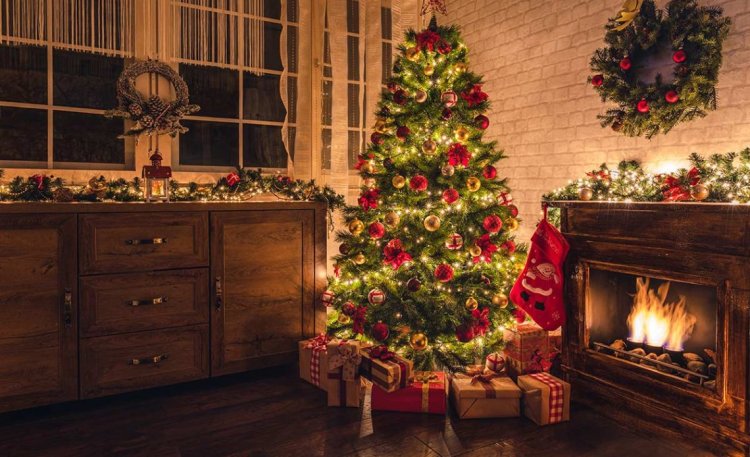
<point>703,244</point>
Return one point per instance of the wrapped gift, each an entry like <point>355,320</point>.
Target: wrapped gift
<point>529,349</point>
<point>344,382</point>
<point>546,399</point>
<point>385,368</point>
<point>313,354</point>
<point>425,395</point>
<point>480,394</point>
<point>495,362</point>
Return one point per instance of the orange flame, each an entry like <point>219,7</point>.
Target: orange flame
<point>657,323</point>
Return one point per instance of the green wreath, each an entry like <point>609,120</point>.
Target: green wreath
<point>152,115</point>
<point>693,33</point>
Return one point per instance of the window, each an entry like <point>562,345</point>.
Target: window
<point>326,120</point>
<point>355,85</point>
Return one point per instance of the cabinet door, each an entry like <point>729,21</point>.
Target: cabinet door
<point>38,335</point>
<point>262,265</point>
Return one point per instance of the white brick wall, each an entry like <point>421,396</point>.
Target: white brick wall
<point>534,56</point>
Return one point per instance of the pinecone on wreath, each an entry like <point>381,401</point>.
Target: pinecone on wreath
<point>156,106</point>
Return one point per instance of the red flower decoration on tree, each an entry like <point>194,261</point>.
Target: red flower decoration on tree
<point>488,248</point>
<point>358,321</point>
<point>509,246</point>
<point>394,254</point>
<point>443,47</point>
<point>481,321</point>
<point>444,272</point>
<point>427,40</point>
<point>450,195</point>
<point>369,199</point>
<point>233,179</point>
<point>458,154</point>
<point>492,223</point>
<point>474,96</point>
<point>361,160</point>
<point>418,183</point>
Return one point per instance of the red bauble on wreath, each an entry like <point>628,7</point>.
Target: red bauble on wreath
<point>625,64</point>
<point>672,96</point>
<point>642,106</point>
<point>679,56</point>
<point>597,80</point>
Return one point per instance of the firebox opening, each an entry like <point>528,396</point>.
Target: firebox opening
<point>669,326</point>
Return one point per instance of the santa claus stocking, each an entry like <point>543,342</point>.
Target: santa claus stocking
<point>539,288</point>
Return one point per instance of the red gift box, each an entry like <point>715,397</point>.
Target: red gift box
<point>427,394</point>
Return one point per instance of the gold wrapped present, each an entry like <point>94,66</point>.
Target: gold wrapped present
<point>483,393</point>
<point>385,368</point>
<point>344,382</point>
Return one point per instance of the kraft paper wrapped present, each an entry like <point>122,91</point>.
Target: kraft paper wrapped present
<point>546,399</point>
<point>344,381</point>
<point>385,368</point>
<point>530,349</point>
<point>481,394</point>
<point>427,394</point>
<point>313,354</point>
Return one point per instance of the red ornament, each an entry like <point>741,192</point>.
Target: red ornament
<point>520,315</point>
<point>400,97</point>
<point>513,210</point>
<point>626,64</point>
<point>380,331</point>
<point>672,96</point>
<point>642,106</point>
<point>458,154</point>
<point>233,179</point>
<point>597,80</point>
<point>376,138</point>
<point>444,272</point>
<point>446,114</point>
<point>488,248</point>
<point>402,132</point>
<point>413,284</point>
<point>418,183</point>
<point>443,47</point>
<point>358,320</point>
<point>465,333</point>
<point>348,308</point>
<point>509,246</point>
<point>427,39</point>
<point>376,297</point>
<point>376,230</point>
<point>489,172</point>
<point>505,198</point>
<point>394,254</point>
<point>327,297</point>
<point>482,122</point>
<point>369,199</point>
<point>474,95</point>
<point>450,195</point>
<point>449,99</point>
<point>679,56</point>
<point>454,242</point>
<point>481,321</point>
<point>492,223</point>
<point>393,87</point>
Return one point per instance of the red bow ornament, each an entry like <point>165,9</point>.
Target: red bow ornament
<point>488,248</point>
<point>38,180</point>
<point>458,154</point>
<point>382,353</point>
<point>479,374</point>
<point>678,188</point>
<point>474,96</point>
<point>369,199</point>
<point>358,323</point>
<point>427,40</point>
<point>394,254</point>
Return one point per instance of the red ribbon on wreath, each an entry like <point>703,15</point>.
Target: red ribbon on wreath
<point>677,188</point>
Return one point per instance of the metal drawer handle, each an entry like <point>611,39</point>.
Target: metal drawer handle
<point>219,294</point>
<point>150,301</point>
<point>68,308</point>
<point>146,241</point>
<point>153,360</point>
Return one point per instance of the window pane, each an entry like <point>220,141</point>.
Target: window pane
<point>23,74</point>
<point>292,11</point>
<point>86,80</point>
<point>262,98</point>
<point>88,138</point>
<point>270,8</point>
<point>326,136</point>
<point>210,143</point>
<point>353,106</point>
<point>386,27</point>
<point>327,114</point>
<point>23,134</point>
<point>352,16</point>
<point>354,145</point>
<point>292,49</point>
<point>291,90</point>
<point>263,147</point>
<point>352,44</point>
<point>292,133</point>
<point>387,62</point>
<point>271,41</point>
<point>216,90</point>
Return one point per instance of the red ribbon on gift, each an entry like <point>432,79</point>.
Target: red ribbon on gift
<point>318,345</point>
<point>677,189</point>
<point>484,377</point>
<point>382,353</point>
<point>556,396</point>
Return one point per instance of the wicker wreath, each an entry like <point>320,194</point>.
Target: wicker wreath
<point>693,34</point>
<point>152,115</point>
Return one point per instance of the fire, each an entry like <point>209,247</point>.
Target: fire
<point>655,322</point>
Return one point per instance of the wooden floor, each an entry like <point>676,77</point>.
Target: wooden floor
<point>272,413</point>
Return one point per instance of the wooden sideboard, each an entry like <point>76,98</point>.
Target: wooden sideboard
<point>103,298</point>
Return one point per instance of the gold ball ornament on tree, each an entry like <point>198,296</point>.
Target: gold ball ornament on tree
<point>367,167</point>
<point>460,67</point>
<point>359,259</point>
<point>429,147</point>
<point>369,182</point>
<point>392,219</point>
<point>356,226</point>
<point>473,184</point>
<point>448,170</point>
<point>428,69</point>
<point>412,54</point>
<point>471,304</point>
<point>500,300</point>
<point>513,224</point>
<point>380,125</point>
<point>475,251</point>
<point>699,192</point>
<point>343,319</point>
<point>432,223</point>
<point>398,181</point>
<point>418,341</point>
<point>420,96</point>
<point>462,134</point>
<point>585,193</point>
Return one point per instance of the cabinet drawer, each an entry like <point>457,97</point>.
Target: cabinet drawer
<point>143,301</point>
<point>133,361</point>
<point>115,243</point>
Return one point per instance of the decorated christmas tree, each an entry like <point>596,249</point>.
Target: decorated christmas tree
<point>428,256</point>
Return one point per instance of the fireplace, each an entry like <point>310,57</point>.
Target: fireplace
<point>657,333</point>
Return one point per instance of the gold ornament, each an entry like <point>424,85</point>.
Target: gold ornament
<point>420,96</point>
<point>359,259</point>
<point>475,251</point>
<point>500,300</point>
<point>699,192</point>
<point>380,125</point>
<point>472,303</point>
<point>367,167</point>
<point>418,341</point>
<point>461,67</point>
<point>398,181</point>
<point>462,134</point>
<point>392,219</point>
<point>512,224</point>
<point>448,170</point>
<point>473,184</point>
<point>429,69</point>
<point>429,147</point>
<point>585,193</point>
<point>412,54</point>
<point>356,226</point>
<point>432,223</point>
<point>343,318</point>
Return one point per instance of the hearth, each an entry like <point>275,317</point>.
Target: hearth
<point>657,333</point>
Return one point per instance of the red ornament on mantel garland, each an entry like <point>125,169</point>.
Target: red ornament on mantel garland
<point>642,106</point>
<point>597,80</point>
<point>626,64</point>
<point>679,56</point>
<point>672,96</point>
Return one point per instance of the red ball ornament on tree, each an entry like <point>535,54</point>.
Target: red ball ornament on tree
<point>679,56</point>
<point>597,80</point>
<point>400,97</point>
<point>509,246</point>
<point>418,183</point>
<point>402,133</point>
<point>376,297</point>
<point>672,96</point>
<point>513,210</point>
<point>450,195</point>
<point>489,172</point>
<point>376,230</point>
<point>393,87</point>
<point>380,331</point>
<point>376,138</point>
<point>482,122</point>
<point>446,114</point>
<point>520,315</point>
<point>444,272</point>
<point>443,47</point>
<point>348,308</point>
<point>413,284</point>
<point>642,106</point>
<point>626,64</point>
<point>492,223</point>
<point>465,333</point>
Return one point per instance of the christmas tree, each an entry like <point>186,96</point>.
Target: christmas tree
<point>428,256</point>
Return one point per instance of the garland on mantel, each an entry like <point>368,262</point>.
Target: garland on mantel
<point>240,185</point>
<point>718,178</point>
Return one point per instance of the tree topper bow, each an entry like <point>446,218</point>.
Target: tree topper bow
<point>630,10</point>
<point>434,6</point>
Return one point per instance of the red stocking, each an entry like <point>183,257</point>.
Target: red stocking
<point>539,288</point>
